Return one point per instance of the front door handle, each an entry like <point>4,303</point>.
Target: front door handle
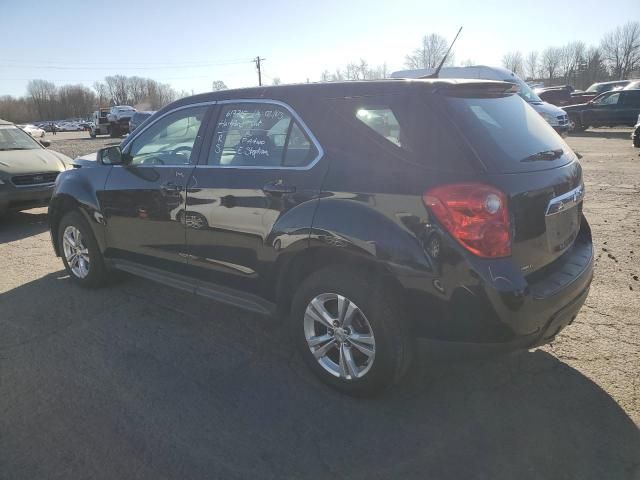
<point>278,188</point>
<point>171,187</point>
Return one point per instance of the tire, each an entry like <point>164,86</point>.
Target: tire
<point>575,124</point>
<point>636,139</point>
<point>92,133</point>
<point>96,273</point>
<point>114,131</point>
<point>375,312</point>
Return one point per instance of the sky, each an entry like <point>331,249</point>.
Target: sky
<point>190,43</point>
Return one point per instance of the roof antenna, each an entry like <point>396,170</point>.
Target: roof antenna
<point>444,59</point>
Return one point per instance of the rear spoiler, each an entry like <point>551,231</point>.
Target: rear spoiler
<point>479,88</point>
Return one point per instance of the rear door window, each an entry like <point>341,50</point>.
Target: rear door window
<point>260,135</point>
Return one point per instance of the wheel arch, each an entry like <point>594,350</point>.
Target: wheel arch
<point>310,260</point>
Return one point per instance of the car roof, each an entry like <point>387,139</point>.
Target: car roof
<point>334,89</point>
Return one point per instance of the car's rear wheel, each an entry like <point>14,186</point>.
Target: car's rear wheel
<point>352,335</point>
<point>80,252</point>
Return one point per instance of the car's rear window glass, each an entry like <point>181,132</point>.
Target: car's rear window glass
<point>259,135</point>
<point>505,132</point>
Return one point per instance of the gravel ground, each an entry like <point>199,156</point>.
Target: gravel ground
<point>140,381</point>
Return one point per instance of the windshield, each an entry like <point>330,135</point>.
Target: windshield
<point>506,132</point>
<point>12,138</point>
<point>525,91</point>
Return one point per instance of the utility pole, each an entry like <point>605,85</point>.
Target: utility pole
<point>258,60</point>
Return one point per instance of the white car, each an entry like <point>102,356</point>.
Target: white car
<point>32,130</point>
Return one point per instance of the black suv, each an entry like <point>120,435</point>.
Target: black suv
<point>370,214</point>
<point>611,109</point>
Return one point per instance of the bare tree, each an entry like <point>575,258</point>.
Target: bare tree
<point>550,61</point>
<point>363,68</point>
<point>594,69</point>
<point>276,81</point>
<point>531,64</point>
<point>621,49</point>
<point>325,76</point>
<point>467,63</point>
<point>43,95</point>
<point>513,61</point>
<point>352,71</point>
<point>218,85</point>
<point>430,53</point>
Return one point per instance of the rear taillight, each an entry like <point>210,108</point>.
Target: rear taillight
<point>475,214</point>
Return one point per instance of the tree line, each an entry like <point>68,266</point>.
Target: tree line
<point>46,101</point>
<point>616,57</point>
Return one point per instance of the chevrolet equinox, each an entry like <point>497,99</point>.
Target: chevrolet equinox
<point>370,214</point>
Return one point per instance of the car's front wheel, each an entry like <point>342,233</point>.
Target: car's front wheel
<point>80,252</point>
<point>575,124</point>
<point>350,331</point>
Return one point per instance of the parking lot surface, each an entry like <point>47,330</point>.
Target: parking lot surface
<point>140,381</point>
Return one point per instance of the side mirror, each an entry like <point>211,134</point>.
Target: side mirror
<point>110,156</point>
<point>45,143</point>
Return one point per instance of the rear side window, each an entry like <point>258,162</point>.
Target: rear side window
<point>405,127</point>
<point>260,135</point>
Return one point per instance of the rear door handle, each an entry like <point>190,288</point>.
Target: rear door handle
<point>171,187</point>
<point>278,188</point>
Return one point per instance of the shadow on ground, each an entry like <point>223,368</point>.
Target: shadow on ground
<point>18,225</point>
<point>603,133</point>
<point>140,381</point>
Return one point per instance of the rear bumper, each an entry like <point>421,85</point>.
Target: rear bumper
<point>13,198</point>
<point>497,308</point>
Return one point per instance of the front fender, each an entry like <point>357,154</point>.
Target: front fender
<point>78,189</point>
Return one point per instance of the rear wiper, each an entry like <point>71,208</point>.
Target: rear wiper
<point>544,155</point>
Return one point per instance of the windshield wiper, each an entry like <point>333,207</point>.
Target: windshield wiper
<point>14,148</point>
<point>544,155</point>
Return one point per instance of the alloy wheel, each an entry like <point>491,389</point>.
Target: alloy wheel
<point>339,336</point>
<point>75,251</point>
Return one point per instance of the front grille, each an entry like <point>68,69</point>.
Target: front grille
<point>34,179</point>
<point>563,119</point>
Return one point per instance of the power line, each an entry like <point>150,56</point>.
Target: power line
<point>122,67</point>
<point>72,63</point>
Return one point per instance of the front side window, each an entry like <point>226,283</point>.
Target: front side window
<point>259,135</point>
<point>611,99</point>
<point>170,140</point>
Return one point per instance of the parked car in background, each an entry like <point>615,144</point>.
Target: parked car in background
<point>371,214</point>
<point>138,118</point>
<point>598,88</point>
<point>33,130</point>
<point>554,116</point>
<point>558,96</point>
<point>610,109</point>
<point>27,170</point>
<point>633,85</point>
<point>48,127</point>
